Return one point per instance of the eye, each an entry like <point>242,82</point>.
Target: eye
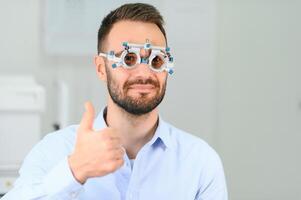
<point>158,62</point>
<point>130,59</point>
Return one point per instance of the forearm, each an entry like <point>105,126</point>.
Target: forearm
<point>58,183</point>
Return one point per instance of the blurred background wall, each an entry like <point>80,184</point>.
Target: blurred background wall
<point>236,84</point>
<point>259,95</point>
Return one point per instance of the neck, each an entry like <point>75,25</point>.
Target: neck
<point>135,130</point>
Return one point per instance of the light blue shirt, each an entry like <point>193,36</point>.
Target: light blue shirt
<point>172,165</point>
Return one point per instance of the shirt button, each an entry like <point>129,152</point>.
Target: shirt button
<point>73,195</point>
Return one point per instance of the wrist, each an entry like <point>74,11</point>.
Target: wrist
<point>77,171</point>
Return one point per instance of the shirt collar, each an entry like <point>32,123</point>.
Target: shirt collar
<point>161,136</point>
<point>99,122</point>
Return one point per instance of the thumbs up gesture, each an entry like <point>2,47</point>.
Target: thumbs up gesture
<point>96,153</point>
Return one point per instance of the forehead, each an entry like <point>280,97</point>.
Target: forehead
<point>134,32</point>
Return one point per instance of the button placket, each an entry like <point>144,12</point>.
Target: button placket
<point>133,189</point>
<point>74,195</point>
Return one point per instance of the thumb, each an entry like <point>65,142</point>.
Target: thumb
<point>88,117</point>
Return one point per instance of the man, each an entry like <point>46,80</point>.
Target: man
<point>128,151</point>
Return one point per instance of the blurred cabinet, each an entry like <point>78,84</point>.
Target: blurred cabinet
<point>21,102</point>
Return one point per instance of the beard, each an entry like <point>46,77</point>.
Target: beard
<point>140,105</point>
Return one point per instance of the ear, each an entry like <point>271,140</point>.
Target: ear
<point>100,67</point>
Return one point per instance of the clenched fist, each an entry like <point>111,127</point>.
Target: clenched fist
<point>96,153</point>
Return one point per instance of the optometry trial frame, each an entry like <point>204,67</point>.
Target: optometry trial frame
<point>159,59</point>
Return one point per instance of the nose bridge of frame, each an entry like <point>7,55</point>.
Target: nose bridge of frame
<point>145,53</point>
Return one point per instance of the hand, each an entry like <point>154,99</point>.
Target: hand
<point>96,153</point>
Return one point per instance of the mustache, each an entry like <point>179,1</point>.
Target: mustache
<point>142,82</point>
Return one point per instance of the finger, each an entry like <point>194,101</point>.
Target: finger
<point>115,154</point>
<point>88,118</point>
<point>119,162</point>
<point>108,133</point>
<point>113,145</point>
<point>116,140</point>
<point>114,164</point>
<point>119,153</point>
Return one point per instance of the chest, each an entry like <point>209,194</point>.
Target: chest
<point>158,179</point>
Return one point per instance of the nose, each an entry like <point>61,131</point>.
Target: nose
<point>142,69</point>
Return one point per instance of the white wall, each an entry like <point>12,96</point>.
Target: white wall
<point>190,101</point>
<point>259,93</point>
<point>22,53</point>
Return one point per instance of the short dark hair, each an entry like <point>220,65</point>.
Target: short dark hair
<point>134,12</point>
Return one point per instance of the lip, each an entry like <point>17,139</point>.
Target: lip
<point>142,87</point>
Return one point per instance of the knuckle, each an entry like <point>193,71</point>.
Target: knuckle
<point>108,145</point>
<point>121,162</point>
<point>103,136</point>
<point>110,166</point>
<point>110,155</point>
<point>118,141</point>
<point>121,152</point>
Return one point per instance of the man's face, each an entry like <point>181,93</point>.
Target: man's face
<point>138,90</point>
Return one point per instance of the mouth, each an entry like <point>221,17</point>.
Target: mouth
<point>142,87</point>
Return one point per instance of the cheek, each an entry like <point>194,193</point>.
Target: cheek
<point>162,79</point>
<point>119,79</point>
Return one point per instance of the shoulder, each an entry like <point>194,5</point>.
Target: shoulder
<point>65,137</point>
<point>201,158</point>
<point>51,148</point>
<point>185,140</point>
<point>189,145</point>
<point>60,139</point>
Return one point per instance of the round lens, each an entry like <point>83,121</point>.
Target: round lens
<point>130,59</point>
<point>157,62</point>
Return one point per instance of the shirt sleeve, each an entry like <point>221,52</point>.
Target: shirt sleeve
<point>43,178</point>
<point>213,185</point>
